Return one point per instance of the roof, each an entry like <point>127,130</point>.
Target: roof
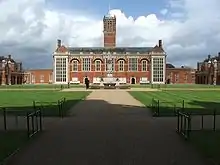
<point>119,50</point>
<point>6,58</point>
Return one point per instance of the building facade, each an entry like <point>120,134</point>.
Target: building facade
<point>182,75</point>
<point>208,71</point>
<point>129,64</point>
<point>39,76</point>
<point>10,71</point>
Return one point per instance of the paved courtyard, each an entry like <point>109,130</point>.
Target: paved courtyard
<point>109,128</point>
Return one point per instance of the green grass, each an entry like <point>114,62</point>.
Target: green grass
<point>207,143</point>
<point>39,86</point>
<point>194,101</point>
<point>22,101</point>
<point>176,86</point>
<point>10,141</point>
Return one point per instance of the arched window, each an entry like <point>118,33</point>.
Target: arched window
<point>121,65</point>
<point>144,65</point>
<point>97,65</point>
<point>74,65</point>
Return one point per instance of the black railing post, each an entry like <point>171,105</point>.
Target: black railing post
<point>184,126</point>
<point>178,122</point>
<point>34,105</point>
<point>158,108</point>
<point>40,115</point>
<point>189,127</point>
<point>202,122</point>
<point>32,122</point>
<point>183,105</point>
<point>28,125</point>
<point>5,119</point>
<point>36,120</point>
<point>59,108</point>
<point>214,120</point>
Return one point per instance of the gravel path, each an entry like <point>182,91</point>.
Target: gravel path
<point>109,128</point>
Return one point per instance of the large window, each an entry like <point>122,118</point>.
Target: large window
<point>74,65</point>
<point>110,62</point>
<point>86,64</point>
<point>97,65</point>
<point>121,65</point>
<point>158,69</point>
<point>61,68</point>
<point>133,64</point>
<point>144,65</point>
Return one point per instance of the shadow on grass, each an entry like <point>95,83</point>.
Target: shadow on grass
<point>193,107</point>
<point>49,109</point>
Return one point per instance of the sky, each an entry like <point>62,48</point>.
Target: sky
<point>29,29</point>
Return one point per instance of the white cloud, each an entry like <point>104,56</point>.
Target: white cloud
<point>29,30</point>
<point>164,11</point>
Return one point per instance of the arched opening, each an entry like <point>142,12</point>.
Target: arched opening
<point>133,80</point>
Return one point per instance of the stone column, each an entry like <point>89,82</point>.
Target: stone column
<point>16,80</point>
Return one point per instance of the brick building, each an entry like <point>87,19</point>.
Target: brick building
<point>208,71</point>
<point>10,71</point>
<point>182,75</point>
<point>129,64</point>
<point>39,76</point>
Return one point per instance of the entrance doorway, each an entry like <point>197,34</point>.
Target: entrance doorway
<point>133,80</point>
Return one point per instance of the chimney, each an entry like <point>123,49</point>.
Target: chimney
<point>9,56</point>
<point>209,56</point>
<point>58,43</point>
<point>160,43</point>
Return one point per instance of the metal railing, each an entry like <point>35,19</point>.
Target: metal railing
<point>34,123</point>
<point>159,110</point>
<point>12,119</point>
<point>183,124</point>
<point>45,104</point>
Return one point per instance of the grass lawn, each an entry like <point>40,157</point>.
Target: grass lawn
<point>207,143</point>
<point>194,101</point>
<point>10,141</point>
<point>177,86</point>
<point>22,101</point>
<point>39,86</point>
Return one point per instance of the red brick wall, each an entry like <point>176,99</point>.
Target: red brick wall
<point>180,75</point>
<point>41,76</point>
<point>109,40</point>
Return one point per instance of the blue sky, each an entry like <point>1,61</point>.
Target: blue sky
<point>130,7</point>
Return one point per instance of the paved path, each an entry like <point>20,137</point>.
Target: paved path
<point>109,128</point>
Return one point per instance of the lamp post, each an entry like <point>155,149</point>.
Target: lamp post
<point>6,72</point>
